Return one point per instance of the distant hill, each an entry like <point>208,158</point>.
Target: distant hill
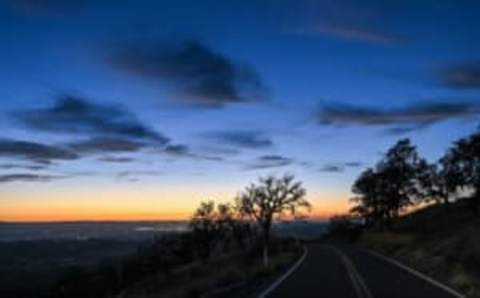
<point>444,244</point>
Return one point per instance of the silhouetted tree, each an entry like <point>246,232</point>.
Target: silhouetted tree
<point>369,200</point>
<point>465,155</point>
<point>271,196</point>
<point>242,230</point>
<point>399,169</point>
<point>439,182</point>
<point>230,226</point>
<point>205,228</point>
<point>393,185</point>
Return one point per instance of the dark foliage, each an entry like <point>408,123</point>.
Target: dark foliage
<point>343,227</point>
<point>383,192</point>
<point>110,277</point>
<point>402,179</point>
<point>466,155</point>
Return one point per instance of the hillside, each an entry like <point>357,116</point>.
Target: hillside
<point>444,244</point>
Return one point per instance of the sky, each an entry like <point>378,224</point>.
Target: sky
<point>131,110</point>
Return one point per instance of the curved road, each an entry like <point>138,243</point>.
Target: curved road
<point>348,272</point>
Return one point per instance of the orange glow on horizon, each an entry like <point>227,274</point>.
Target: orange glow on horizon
<point>96,217</point>
<point>114,214</point>
<point>131,206</point>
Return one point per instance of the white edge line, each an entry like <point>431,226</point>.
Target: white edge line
<point>416,273</point>
<point>273,286</point>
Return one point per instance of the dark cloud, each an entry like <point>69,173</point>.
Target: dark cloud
<point>401,130</point>
<point>130,174</point>
<point>462,76</point>
<point>269,161</point>
<point>353,164</point>
<point>116,159</point>
<point>106,144</point>
<point>401,120</point>
<point>72,114</point>
<point>181,150</point>
<point>79,173</point>
<point>195,72</point>
<point>243,139</point>
<point>339,166</point>
<point>11,166</point>
<point>220,150</point>
<point>331,169</point>
<point>36,152</point>
<point>28,178</point>
<point>177,149</point>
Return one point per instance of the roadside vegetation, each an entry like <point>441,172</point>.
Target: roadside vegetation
<point>228,251</point>
<point>446,248</point>
<point>425,214</point>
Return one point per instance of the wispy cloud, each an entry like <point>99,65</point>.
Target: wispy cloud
<point>178,149</point>
<point>461,76</point>
<point>106,145</point>
<point>75,115</point>
<point>339,166</point>
<point>242,139</point>
<point>331,169</point>
<point>34,167</point>
<point>367,22</point>
<point>181,150</point>
<point>35,152</point>
<point>352,32</point>
<point>199,75</point>
<point>352,164</point>
<point>135,174</point>
<point>397,120</point>
<point>116,159</point>
<point>28,178</point>
<point>269,161</point>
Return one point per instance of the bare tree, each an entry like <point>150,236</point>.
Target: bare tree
<point>241,228</point>
<point>270,197</point>
<point>205,229</point>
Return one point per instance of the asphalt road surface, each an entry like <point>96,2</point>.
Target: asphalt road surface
<point>348,272</point>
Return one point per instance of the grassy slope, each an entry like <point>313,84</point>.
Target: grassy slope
<point>444,245</point>
<point>231,276</point>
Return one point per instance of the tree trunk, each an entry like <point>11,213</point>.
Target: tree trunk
<point>446,203</point>
<point>266,241</point>
<point>265,255</point>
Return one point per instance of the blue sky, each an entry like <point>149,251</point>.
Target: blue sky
<point>108,97</point>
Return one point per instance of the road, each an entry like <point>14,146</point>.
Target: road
<point>349,272</point>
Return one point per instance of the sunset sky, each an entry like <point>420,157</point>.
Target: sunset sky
<point>123,110</point>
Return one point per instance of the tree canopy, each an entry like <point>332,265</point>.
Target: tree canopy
<point>272,196</point>
<point>402,179</point>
